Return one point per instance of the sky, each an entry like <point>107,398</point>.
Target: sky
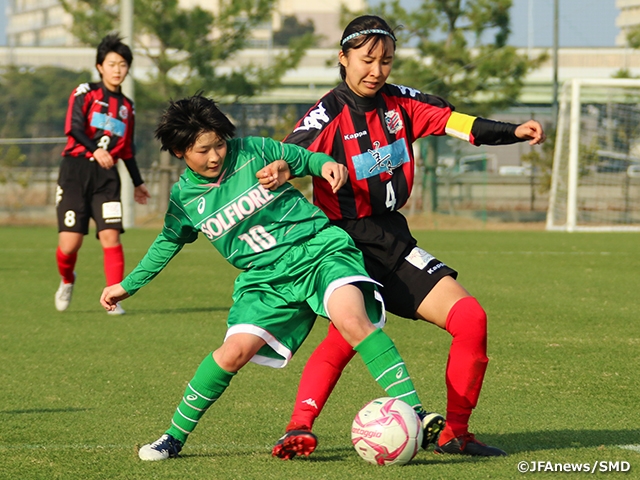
<point>582,23</point>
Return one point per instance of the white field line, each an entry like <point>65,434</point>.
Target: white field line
<point>635,448</point>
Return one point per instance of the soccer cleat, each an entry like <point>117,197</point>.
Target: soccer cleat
<point>117,311</point>
<point>295,442</point>
<point>165,447</point>
<point>63,295</point>
<point>468,445</point>
<point>432,425</point>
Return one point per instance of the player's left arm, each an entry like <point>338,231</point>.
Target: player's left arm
<point>292,160</point>
<point>481,131</point>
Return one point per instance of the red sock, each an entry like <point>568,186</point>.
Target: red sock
<point>467,323</point>
<point>66,265</point>
<point>113,264</point>
<point>320,375</point>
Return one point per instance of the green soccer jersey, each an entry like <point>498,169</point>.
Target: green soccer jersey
<point>248,224</point>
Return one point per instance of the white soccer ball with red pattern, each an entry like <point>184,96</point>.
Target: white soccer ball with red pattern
<point>387,431</point>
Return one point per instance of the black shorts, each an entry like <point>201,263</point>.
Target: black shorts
<point>86,190</point>
<point>393,258</point>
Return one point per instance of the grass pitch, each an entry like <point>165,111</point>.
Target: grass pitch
<point>80,389</point>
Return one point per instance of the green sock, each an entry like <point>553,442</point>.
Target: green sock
<point>385,364</point>
<point>207,385</point>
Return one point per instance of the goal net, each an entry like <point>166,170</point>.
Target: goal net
<point>595,183</point>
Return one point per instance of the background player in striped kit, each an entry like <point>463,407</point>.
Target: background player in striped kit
<point>295,264</point>
<point>99,126</point>
<point>369,125</point>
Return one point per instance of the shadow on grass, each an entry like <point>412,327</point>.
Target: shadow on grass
<point>513,443</point>
<point>43,410</point>
<point>559,439</point>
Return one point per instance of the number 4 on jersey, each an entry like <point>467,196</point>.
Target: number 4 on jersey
<point>390,201</point>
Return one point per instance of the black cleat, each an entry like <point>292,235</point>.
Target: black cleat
<point>468,445</point>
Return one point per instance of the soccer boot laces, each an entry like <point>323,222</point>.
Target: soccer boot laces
<point>165,447</point>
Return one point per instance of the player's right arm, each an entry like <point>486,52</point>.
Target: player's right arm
<point>177,231</point>
<point>76,124</point>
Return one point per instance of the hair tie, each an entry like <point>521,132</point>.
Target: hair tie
<point>367,32</point>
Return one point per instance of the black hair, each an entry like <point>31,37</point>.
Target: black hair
<point>185,120</point>
<point>113,43</point>
<point>361,24</point>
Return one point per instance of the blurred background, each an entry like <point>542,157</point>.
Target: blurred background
<point>268,61</point>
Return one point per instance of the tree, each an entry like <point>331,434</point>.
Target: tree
<point>463,54</point>
<point>292,28</point>
<point>33,102</point>
<point>188,46</point>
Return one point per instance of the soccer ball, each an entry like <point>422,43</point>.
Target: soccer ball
<point>387,431</point>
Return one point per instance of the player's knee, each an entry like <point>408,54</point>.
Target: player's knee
<point>467,318</point>
<point>234,354</point>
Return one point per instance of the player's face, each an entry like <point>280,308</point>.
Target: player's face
<point>113,70</point>
<point>367,69</point>
<point>206,156</point>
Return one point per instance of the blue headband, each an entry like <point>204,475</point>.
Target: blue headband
<point>367,32</point>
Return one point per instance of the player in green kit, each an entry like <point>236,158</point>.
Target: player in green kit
<point>295,264</point>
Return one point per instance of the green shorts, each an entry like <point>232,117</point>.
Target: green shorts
<point>279,303</point>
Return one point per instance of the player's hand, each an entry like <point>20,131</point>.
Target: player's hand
<point>531,131</point>
<point>104,158</point>
<point>274,175</point>
<point>112,295</point>
<point>141,194</point>
<point>336,174</point>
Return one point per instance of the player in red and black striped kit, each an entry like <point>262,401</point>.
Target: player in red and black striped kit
<point>369,126</point>
<point>99,126</point>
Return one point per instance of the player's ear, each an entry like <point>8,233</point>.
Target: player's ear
<point>342,58</point>
<point>178,154</point>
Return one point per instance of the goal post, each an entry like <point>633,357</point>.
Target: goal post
<point>595,182</point>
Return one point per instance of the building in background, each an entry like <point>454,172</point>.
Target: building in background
<point>44,23</point>
<point>38,23</point>
<point>628,17</point>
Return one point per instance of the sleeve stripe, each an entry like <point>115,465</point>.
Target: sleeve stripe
<point>459,125</point>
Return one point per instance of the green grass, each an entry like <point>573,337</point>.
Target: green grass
<point>79,389</point>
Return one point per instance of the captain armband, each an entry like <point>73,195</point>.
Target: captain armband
<point>459,125</point>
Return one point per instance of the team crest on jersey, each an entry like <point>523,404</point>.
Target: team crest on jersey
<point>314,119</point>
<point>123,112</point>
<point>393,121</point>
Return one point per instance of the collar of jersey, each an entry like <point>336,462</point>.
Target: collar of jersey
<point>200,180</point>
<point>364,104</point>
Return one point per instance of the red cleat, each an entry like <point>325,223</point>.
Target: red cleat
<point>295,442</point>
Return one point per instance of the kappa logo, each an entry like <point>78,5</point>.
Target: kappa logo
<point>82,89</point>
<point>411,91</point>
<point>314,119</point>
<point>399,373</point>
<point>354,136</point>
<point>59,193</point>
<point>311,401</point>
